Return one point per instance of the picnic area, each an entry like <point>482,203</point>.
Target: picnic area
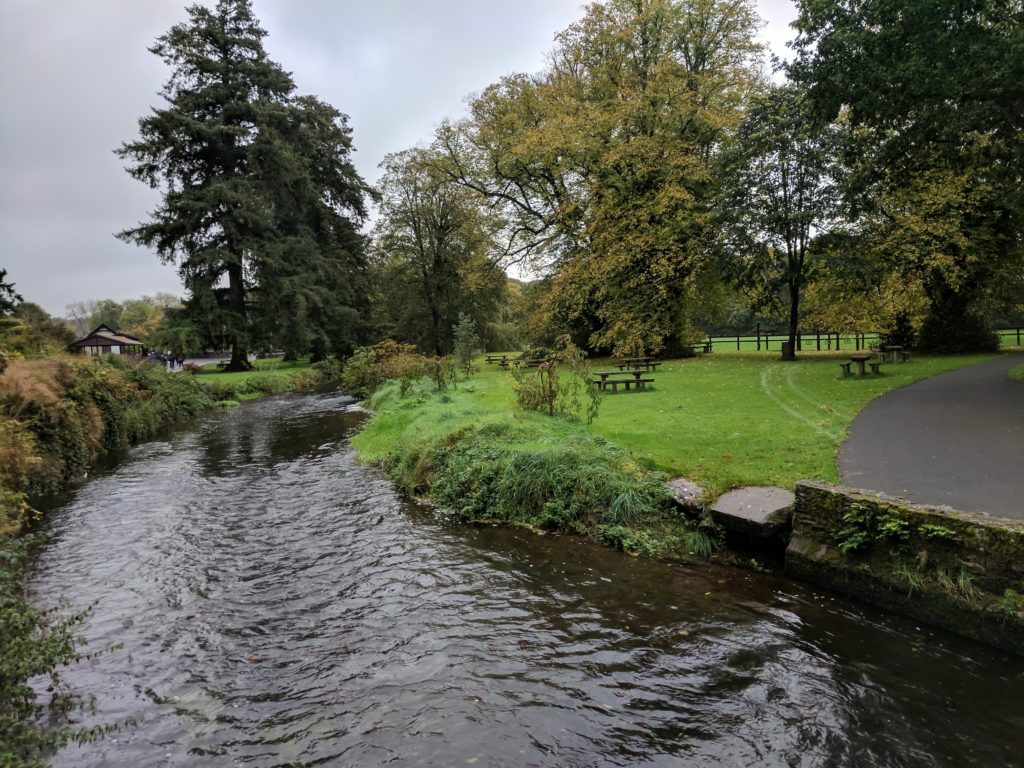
<point>723,420</point>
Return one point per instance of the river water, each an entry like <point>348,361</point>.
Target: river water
<point>278,605</point>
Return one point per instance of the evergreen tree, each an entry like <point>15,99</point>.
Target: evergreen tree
<point>260,200</point>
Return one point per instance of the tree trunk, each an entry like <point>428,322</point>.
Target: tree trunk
<point>236,299</point>
<point>794,320</point>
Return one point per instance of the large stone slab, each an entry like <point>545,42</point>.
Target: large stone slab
<point>760,511</point>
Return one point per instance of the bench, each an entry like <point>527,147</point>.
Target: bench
<point>846,369</point>
<point>604,383</point>
<point>876,367</point>
<point>497,358</point>
<point>636,374</point>
<point>223,364</point>
<point>650,365</point>
<point>701,346</point>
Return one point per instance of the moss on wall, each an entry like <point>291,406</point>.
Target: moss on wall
<point>961,571</point>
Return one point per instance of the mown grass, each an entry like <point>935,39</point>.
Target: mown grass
<point>269,376</point>
<point>722,420</point>
<point>1016,373</point>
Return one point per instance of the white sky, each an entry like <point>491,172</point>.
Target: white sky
<point>75,77</point>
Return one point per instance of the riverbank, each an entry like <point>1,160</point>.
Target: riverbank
<point>469,451</point>
<point>498,466</point>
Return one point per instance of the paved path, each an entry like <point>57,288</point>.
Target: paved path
<point>955,439</point>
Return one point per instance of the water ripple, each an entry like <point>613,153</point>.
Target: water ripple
<point>278,605</point>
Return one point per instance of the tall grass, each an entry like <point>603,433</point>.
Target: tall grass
<point>518,468</point>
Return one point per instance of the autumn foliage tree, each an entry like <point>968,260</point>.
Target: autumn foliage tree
<point>601,167</point>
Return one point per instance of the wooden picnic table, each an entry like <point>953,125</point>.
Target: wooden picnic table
<point>497,358</point>
<point>605,374</point>
<point>647,364</point>
<point>628,382</point>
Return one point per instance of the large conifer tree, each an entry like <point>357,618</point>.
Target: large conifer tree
<point>260,200</point>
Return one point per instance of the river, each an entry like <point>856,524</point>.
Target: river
<point>278,605</point>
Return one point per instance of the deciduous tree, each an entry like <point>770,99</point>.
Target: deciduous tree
<point>780,193</point>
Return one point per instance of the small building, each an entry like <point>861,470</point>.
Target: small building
<point>104,341</point>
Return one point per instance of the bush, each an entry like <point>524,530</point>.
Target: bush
<point>369,367</point>
<point>219,390</point>
<point>266,384</point>
<point>956,334</point>
<point>561,385</point>
<point>575,486</point>
<point>467,343</point>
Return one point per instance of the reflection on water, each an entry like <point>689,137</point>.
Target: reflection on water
<point>279,606</point>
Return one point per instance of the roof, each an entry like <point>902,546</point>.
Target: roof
<point>103,333</point>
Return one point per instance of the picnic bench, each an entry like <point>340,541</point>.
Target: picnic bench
<point>639,363</point>
<point>497,359</point>
<point>894,353</point>
<point>702,346</point>
<point>223,364</point>
<point>859,360</point>
<point>629,380</point>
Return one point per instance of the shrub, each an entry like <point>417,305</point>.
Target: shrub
<point>466,343</point>
<point>961,333</point>
<point>561,385</point>
<point>220,389</point>
<point>266,384</point>
<point>369,367</point>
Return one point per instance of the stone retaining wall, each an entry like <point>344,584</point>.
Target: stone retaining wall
<point>957,570</point>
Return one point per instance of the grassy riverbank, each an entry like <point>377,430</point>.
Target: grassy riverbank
<point>722,420</point>
<point>488,464</point>
<point>269,376</point>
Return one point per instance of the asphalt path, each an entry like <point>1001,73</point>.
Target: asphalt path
<point>955,439</point>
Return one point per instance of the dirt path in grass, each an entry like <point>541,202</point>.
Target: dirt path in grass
<point>955,439</point>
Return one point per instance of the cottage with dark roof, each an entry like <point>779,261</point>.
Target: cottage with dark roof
<point>104,341</point>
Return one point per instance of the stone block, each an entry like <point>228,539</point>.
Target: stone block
<point>760,511</point>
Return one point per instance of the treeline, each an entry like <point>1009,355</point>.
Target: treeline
<point>661,182</point>
<point>655,179</point>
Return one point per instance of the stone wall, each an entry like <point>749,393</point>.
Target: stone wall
<point>957,570</point>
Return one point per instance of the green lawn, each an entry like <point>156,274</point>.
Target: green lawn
<point>268,376</point>
<point>723,420</point>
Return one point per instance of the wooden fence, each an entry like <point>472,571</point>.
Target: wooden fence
<point>820,341</point>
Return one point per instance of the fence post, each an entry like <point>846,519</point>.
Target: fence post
<point>758,337</point>
<point>817,338</point>
<point>1018,336</point>
<point>737,343</point>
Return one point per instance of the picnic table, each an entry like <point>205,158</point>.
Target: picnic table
<point>497,358</point>
<point>644,363</point>
<point>859,360</point>
<point>628,379</point>
<point>894,353</point>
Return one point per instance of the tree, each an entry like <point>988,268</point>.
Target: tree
<point>260,200</point>
<point>780,194</point>
<point>434,254</point>
<point>9,298</point>
<point>601,166</point>
<point>933,94</point>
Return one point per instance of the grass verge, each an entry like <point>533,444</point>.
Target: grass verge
<point>490,464</point>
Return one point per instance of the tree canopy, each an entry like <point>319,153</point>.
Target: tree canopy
<point>261,204</point>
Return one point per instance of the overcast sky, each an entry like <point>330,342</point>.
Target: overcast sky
<point>75,77</point>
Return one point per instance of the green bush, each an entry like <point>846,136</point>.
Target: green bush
<point>959,333</point>
<point>219,389</point>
